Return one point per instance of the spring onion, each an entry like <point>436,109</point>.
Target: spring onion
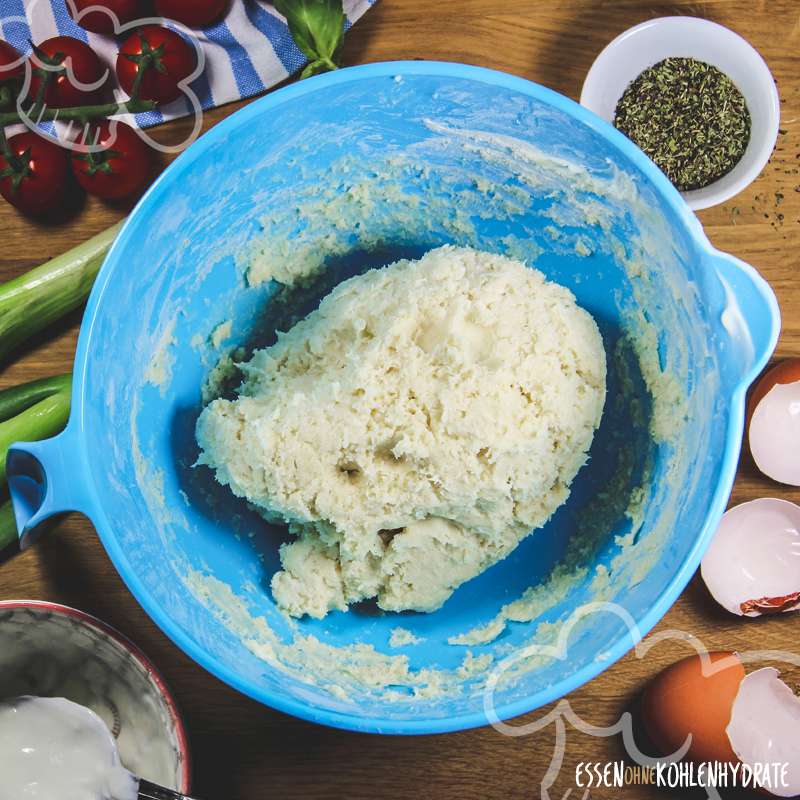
<point>28,304</point>
<point>19,398</point>
<point>35,411</point>
<point>28,412</point>
<point>8,530</point>
<point>31,302</point>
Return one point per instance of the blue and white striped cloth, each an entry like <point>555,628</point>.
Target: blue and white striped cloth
<point>247,52</point>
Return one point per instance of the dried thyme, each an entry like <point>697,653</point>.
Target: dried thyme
<point>689,118</point>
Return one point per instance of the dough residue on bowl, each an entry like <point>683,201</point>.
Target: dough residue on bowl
<point>413,429</point>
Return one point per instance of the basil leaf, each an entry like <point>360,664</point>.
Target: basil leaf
<point>317,26</point>
<point>313,68</point>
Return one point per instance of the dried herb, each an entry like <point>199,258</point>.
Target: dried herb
<point>689,117</point>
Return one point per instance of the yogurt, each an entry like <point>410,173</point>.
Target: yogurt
<point>54,749</point>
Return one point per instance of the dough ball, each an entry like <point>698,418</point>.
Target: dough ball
<point>413,429</point>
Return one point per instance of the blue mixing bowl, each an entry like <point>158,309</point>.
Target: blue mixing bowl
<point>324,179</point>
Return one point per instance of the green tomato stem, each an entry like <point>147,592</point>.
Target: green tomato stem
<point>78,113</point>
<point>145,64</point>
<point>46,77</point>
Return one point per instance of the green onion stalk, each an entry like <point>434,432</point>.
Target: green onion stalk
<point>33,301</point>
<point>29,412</point>
<point>29,304</point>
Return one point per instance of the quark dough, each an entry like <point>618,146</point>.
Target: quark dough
<point>413,429</point>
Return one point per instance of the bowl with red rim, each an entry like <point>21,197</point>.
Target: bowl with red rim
<point>51,650</point>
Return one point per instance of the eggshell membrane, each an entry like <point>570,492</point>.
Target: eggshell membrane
<point>693,698</point>
<point>787,371</point>
<point>774,433</point>
<point>752,566</point>
<point>765,726</point>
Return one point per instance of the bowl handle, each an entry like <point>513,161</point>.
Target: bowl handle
<point>751,317</point>
<point>45,478</point>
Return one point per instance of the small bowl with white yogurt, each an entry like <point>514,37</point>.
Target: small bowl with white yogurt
<point>53,651</point>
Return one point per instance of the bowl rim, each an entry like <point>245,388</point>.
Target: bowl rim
<point>280,700</point>
<point>90,621</point>
<point>706,197</point>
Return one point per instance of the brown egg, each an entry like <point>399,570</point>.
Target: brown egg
<point>681,700</point>
<point>773,427</point>
<point>787,371</point>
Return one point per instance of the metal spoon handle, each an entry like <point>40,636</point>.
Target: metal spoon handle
<point>151,791</point>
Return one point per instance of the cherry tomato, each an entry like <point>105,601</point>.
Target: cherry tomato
<point>122,167</point>
<point>79,62</point>
<point>35,177</point>
<point>8,56</point>
<point>100,21</point>
<point>192,13</point>
<point>171,59</point>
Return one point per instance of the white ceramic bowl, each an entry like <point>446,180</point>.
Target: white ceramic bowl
<point>688,37</point>
<point>52,650</point>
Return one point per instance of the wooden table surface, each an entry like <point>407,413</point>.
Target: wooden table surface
<point>244,750</point>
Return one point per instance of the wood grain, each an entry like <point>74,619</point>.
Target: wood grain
<point>243,750</point>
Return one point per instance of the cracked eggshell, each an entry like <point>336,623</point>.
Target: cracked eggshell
<point>693,697</point>
<point>764,727</point>
<point>773,427</point>
<point>752,566</point>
